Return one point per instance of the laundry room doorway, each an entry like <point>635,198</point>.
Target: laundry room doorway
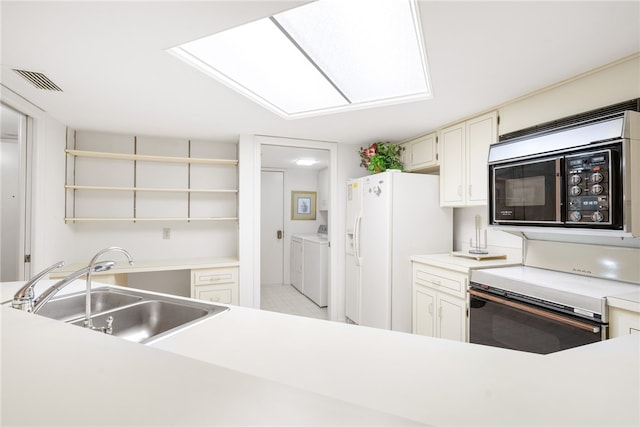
<point>285,174</point>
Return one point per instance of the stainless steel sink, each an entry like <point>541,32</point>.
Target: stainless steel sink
<point>71,307</point>
<point>148,319</point>
<point>137,315</point>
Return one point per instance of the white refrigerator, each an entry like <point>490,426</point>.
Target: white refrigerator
<point>390,216</point>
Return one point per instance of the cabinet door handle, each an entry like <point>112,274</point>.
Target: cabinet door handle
<point>470,186</point>
<point>279,234</point>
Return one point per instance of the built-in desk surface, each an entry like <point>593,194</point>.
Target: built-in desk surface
<point>117,275</point>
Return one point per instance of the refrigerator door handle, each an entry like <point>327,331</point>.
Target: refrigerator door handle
<point>356,238</point>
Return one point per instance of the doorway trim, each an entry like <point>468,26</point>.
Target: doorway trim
<point>332,148</point>
<point>32,125</point>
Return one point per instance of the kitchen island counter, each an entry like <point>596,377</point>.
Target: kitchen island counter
<point>334,373</point>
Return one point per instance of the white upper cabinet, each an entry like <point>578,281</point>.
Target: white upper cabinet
<point>421,153</point>
<point>464,149</point>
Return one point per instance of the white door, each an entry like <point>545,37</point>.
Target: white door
<point>452,166</point>
<point>14,224</point>
<point>481,133</point>
<point>272,228</point>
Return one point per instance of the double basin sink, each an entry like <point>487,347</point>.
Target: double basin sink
<point>137,316</point>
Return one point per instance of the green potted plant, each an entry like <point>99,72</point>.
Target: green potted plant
<point>380,156</point>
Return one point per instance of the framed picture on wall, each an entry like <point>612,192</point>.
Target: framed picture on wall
<point>303,205</point>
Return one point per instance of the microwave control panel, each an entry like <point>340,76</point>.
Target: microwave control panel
<point>588,187</point>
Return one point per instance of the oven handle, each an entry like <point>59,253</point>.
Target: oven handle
<point>536,311</point>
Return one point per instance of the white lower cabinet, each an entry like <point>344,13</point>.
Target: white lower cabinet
<point>623,322</point>
<point>215,284</point>
<point>439,303</point>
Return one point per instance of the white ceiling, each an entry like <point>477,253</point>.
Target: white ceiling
<point>110,60</point>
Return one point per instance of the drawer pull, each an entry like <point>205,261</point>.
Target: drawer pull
<point>215,278</point>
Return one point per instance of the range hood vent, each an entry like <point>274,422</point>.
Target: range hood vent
<point>576,120</point>
<point>39,80</point>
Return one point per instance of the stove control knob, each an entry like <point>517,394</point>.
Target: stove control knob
<point>597,216</point>
<point>597,189</point>
<point>575,190</point>
<point>597,177</point>
<point>575,216</point>
<point>575,179</point>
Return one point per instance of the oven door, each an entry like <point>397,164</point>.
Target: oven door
<point>527,192</point>
<point>500,322</point>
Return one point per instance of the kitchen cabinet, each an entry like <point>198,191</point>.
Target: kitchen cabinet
<point>421,154</point>
<point>296,262</point>
<point>323,189</point>
<point>464,148</point>
<point>624,314</point>
<point>439,303</point>
<point>130,178</point>
<point>439,289</point>
<point>215,284</point>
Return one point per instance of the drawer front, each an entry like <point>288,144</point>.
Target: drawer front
<point>451,282</point>
<point>214,276</point>
<point>224,296</point>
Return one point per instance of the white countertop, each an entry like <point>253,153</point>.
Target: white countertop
<point>57,374</point>
<point>461,264</point>
<point>248,366</point>
<point>141,266</point>
<point>628,300</point>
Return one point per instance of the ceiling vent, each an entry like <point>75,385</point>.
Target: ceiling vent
<point>39,80</point>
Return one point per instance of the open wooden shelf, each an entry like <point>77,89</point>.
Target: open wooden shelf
<point>126,187</point>
<point>148,158</point>
<point>174,190</point>
<point>152,219</point>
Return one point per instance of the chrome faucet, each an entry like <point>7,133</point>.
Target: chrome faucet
<point>55,288</point>
<point>88,323</point>
<point>24,298</point>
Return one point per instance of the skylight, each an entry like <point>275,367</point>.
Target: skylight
<point>326,56</point>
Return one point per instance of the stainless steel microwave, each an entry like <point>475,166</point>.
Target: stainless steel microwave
<point>578,177</point>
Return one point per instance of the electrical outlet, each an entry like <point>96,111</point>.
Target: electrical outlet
<point>166,233</point>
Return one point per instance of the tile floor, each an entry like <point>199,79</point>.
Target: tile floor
<point>287,299</point>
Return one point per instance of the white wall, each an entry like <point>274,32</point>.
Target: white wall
<point>298,180</point>
<point>249,220</point>
<point>498,241</point>
<point>144,240</point>
<point>608,85</point>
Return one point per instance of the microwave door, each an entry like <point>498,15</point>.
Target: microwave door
<point>527,192</point>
